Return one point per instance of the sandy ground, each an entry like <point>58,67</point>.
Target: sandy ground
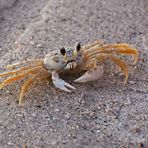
<point>104,114</point>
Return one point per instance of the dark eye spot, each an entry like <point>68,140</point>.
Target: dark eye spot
<point>63,51</point>
<point>78,46</point>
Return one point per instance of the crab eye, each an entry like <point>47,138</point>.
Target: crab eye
<point>77,49</point>
<point>63,51</point>
<point>78,46</point>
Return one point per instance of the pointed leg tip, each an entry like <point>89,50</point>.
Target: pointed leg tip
<point>125,82</point>
<point>1,87</point>
<point>20,103</point>
<point>20,100</point>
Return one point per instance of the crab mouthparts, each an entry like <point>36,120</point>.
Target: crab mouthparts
<point>71,64</point>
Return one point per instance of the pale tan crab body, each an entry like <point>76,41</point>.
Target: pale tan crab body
<point>89,58</point>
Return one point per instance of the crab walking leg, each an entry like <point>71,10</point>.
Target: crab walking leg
<point>90,62</point>
<point>128,51</point>
<point>106,46</point>
<point>117,50</point>
<point>91,75</point>
<point>42,74</point>
<point>12,79</point>
<point>102,57</point>
<point>97,72</point>
<point>59,83</point>
<point>25,87</point>
<point>37,62</point>
<point>92,45</point>
<point>92,67</point>
<point>122,65</point>
<point>19,76</point>
<point>21,70</point>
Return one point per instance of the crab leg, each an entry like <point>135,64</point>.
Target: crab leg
<point>21,70</point>
<point>25,87</point>
<point>37,62</point>
<point>106,46</point>
<point>122,65</point>
<point>59,83</point>
<point>113,48</point>
<point>12,79</point>
<point>128,51</point>
<point>92,45</point>
<point>119,50</point>
<point>43,74</point>
<point>19,76</point>
<point>92,62</point>
<point>95,73</point>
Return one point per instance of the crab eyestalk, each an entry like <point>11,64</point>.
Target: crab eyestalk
<point>63,51</point>
<point>78,46</point>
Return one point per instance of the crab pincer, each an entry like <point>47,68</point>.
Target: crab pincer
<point>61,84</point>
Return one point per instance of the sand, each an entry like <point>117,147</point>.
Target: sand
<point>101,114</point>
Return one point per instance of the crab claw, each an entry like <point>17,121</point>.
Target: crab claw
<point>61,84</point>
<point>91,75</point>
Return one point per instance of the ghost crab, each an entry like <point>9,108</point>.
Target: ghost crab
<point>88,58</point>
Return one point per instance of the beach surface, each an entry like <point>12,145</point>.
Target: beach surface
<point>100,114</point>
